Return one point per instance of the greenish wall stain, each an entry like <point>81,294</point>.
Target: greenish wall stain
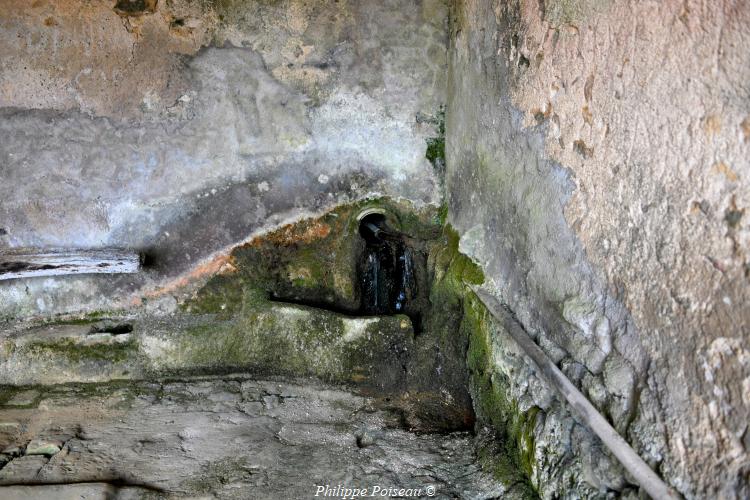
<point>510,455</point>
<point>456,323</point>
<point>435,152</point>
<point>232,324</point>
<point>76,352</point>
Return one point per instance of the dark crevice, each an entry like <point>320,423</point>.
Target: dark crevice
<point>117,482</point>
<point>113,328</point>
<point>15,267</point>
<point>135,7</point>
<point>148,258</point>
<point>317,304</point>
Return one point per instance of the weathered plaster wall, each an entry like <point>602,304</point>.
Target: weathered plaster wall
<point>189,127</point>
<point>598,170</point>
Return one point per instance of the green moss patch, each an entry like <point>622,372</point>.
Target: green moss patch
<point>316,260</point>
<point>74,352</point>
<point>458,312</point>
<point>435,152</point>
<point>514,428</point>
<point>313,261</point>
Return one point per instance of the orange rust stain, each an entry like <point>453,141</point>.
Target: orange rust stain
<point>722,168</point>
<point>712,125</point>
<point>294,233</point>
<point>220,264</point>
<point>540,115</point>
<point>587,116</point>
<point>224,263</point>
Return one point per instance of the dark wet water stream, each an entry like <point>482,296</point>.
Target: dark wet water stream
<point>387,275</point>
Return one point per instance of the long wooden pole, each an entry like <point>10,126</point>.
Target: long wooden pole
<point>29,264</point>
<point>627,456</point>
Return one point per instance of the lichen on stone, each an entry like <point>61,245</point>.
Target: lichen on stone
<point>289,306</point>
<point>508,448</point>
<point>72,351</point>
<point>435,152</point>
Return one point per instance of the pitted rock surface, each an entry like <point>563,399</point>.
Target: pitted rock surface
<point>229,437</point>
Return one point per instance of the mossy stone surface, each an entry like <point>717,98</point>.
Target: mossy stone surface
<point>288,309</point>
<point>458,314</point>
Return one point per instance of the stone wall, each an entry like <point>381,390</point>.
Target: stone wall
<point>182,127</point>
<point>597,169</point>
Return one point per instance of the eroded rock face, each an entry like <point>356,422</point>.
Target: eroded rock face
<point>597,169</point>
<point>229,437</point>
<point>291,303</point>
<point>288,303</point>
<point>192,126</point>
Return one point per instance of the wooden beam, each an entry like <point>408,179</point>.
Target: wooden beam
<point>30,263</point>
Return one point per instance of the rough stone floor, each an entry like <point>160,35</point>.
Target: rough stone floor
<point>220,437</point>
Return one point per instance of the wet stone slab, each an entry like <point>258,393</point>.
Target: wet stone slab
<point>228,437</point>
